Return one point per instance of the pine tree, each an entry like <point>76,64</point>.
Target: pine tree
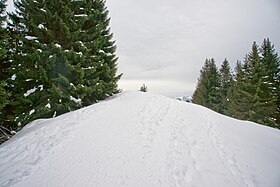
<point>207,91</point>
<point>226,80</point>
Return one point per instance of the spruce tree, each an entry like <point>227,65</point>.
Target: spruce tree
<point>200,93</point>
<point>263,81</point>
<point>252,69</point>
<point>2,11</point>
<point>253,95</point>
<point>245,96</point>
<point>5,67</point>
<point>269,87</point>
<point>226,80</point>
<point>41,32</point>
<point>208,91</point>
<point>4,61</point>
<point>240,98</point>
<point>214,87</point>
<point>3,57</point>
<point>67,57</point>
<point>95,42</point>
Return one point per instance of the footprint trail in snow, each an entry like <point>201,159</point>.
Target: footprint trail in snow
<point>142,139</point>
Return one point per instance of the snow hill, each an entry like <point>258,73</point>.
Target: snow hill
<point>141,139</point>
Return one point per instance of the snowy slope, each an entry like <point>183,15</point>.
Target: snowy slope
<point>141,139</point>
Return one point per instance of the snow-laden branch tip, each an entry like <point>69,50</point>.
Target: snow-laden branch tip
<point>31,37</point>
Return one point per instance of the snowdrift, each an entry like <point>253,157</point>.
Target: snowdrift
<point>141,139</point>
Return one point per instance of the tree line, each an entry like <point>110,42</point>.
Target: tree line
<point>56,56</point>
<point>251,92</point>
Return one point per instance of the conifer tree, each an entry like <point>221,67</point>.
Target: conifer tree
<point>67,57</point>
<point>253,95</point>
<point>41,67</point>
<point>4,61</point>
<point>240,99</point>
<point>252,69</point>
<point>214,87</point>
<point>263,81</point>
<point>207,91</point>
<point>200,93</point>
<point>268,84</point>
<point>96,44</point>
<point>3,57</point>
<point>226,80</point>
<point>245,87</point>
<point>2,11</point>
<point>5,95</point>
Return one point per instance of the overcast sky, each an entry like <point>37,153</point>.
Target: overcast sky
<point>164,43</point>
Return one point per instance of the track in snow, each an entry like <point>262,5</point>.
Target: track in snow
<point>140,139</point>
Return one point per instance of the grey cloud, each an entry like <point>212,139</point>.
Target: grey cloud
<point>165,43</point>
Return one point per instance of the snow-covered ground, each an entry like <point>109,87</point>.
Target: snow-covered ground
<point>141,139</point>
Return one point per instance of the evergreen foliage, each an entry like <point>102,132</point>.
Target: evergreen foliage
<point>2,12</point>
<point>36,73</point>
<point>260,80</point>
<point>5,95</point>
<point>63,58</point>
<point>247,77</point>
<point>240,98</point>
<point>269,84</point>
<point>208,91</point>
<point>226,80</point>
<point>252,93</point>
<point>3,57</point>
<point>96,45</point>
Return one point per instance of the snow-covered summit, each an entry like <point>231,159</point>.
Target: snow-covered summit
<point>141,139</point>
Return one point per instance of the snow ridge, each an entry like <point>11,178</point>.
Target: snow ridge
<point>141,139</point>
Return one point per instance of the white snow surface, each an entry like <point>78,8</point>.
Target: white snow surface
<point>141,139</point>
